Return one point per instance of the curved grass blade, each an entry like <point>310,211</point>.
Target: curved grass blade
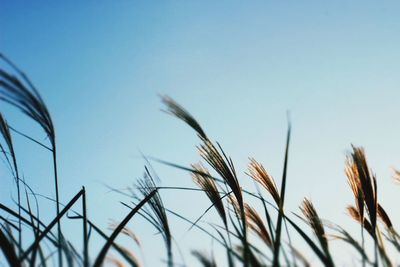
<point>311,243</point>
<point>101,256</point>
<point>51,225</point>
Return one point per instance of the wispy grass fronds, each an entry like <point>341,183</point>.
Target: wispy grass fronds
<point>126,231</point>
<point>178,111</point>
<point>157,215</point>
<point>367,182</point>
<point>223,166</point>
<point>354,213</point>
<point>210,188</point>
<point>22,94</point>
<point>110,241</point>
<point>216,158</point>
<point>260,175</point>
<point>354,182</point>
<point>205,260</point>
<point>256,224</point>
<point>5,132</point>
<point>349,239</point>
<point>316,225</point>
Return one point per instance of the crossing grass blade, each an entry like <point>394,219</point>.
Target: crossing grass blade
<point>103,252</point>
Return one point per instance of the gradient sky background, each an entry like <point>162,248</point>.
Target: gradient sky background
<point>237,67</point>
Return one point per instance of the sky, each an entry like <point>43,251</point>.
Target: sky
<point>237,66</point>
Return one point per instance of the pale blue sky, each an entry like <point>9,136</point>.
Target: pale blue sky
<point>237,66</point>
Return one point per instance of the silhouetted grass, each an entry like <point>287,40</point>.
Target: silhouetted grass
<point>250,236</point>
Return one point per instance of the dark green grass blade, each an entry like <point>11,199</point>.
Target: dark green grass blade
<point>51,225</point>
<point>192,170</point>
<point>277,244</point>
<point>29,138</point>
<point>34,229</point>
<point>229,249</point>
<point>85,231</point>
<point>8,250</point>
<point>100,258</point>
<point>24,220</point>
<point>271,227</point>
<point>103,235</point>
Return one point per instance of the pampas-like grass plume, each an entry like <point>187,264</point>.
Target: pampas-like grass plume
<point>257,225</point>
<point>365,182</point>
<point>316,225</point>
<point>210,188</point>
<point>178,111</point>
<point>260,175</point>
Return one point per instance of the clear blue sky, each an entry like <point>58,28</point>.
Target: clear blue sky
<point>237,66</point>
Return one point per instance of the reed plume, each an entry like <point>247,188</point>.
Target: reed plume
<point>316,225</point>
<point>155,212</point>
<point>202,178</point>
<point>260,175</point>
<point>257,225</point>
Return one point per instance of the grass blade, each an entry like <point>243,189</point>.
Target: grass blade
<point>278,231</point>
<point>101,256</point>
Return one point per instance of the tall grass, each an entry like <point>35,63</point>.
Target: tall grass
<point>250,236</point>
